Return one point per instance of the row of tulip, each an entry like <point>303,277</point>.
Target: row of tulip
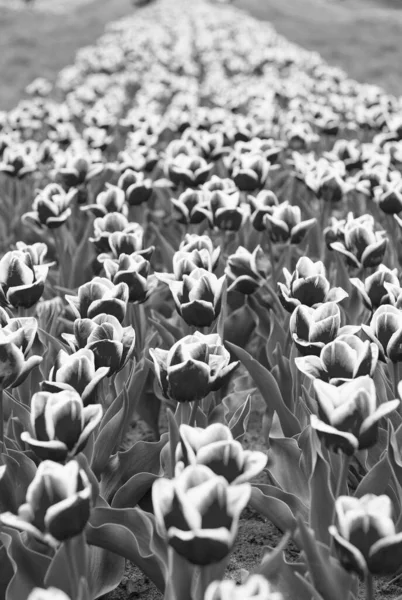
<point>204,223</point>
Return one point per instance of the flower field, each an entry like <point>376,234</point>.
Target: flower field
<point>201,321</point>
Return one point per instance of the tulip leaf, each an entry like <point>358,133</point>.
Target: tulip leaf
<point>110,433</point>
<point>130,533</point>
<point>376,480</point>
<point>130,494</point>
<point>284,465</point>
<point>14,482</point>
<point>239,326</point>
<point>20,411</point>
<point>142,457</point>
<point>269,390</point>
<point>283,575</point>
<point>239,421</point>
<point>6,570</point>
<point>29,567</point>
<point>322,501</point>
<point>274,505</point>
<point>327,575</point>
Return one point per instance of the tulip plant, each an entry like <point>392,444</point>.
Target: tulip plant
<point>201,235</point>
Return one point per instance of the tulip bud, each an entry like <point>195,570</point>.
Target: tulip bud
<point>100,296</point>
<point>61,425</point>
<point>58,504</point>
<point>194,366</point>
<point>347,357</point>
<point>366,539</point>
<point>198,297</point>
<point>21,282</point>
<point>349,416</point>
<point>76,372</point>
<point>255,588</point>
<point>198,512</point>
<point>307,285</point>
<point>215,448</point>
<point>285,224</point>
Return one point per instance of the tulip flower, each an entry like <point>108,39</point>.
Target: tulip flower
<point>215,448</point>
<point>137,189</point>
<point>374,290</point>
<point>184,263</point>
<point>51,206</point>
<point>61,425</point>
<point>50,593</point>
<point>21,282</point>
<point>245,270</point>
<point>365,537</point>
<point>112,200</point>
<point>112,344</point>
<point>133,270</point>
<point>198,297</point>
<point>113,223</point>
<point>307,285</point>
<point>251,171</point>
<point>386,331</point>
<point>192,207</point>
<point>285,224</point>
<point>200,242</point>
<point>194,366</point>
<point>348,414</point>
<point>17,162</point>
<point>347,357</point>
<point>257,587</point>
<point>188,170</point>
<point>226,185</point>
<point>388,197</point>
<point>227,212</point>
<point>100,296</point>
<point>16,340</point>
<point>36,251</point>
<point>312,328</point>
<point>58,503</point>
<point>198,513</point>
<point>362,245</point>
<point>261,205</point>
<point>76,372</point>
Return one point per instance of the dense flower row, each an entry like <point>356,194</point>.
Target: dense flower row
<point>207,211</point>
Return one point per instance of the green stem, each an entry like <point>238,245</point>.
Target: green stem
<point>395,370</point>
<point>193,414</point>
<point>72,567</point>
<point>369,587</point>
<point>1,420</point>
<point>180,577</point>
<point>341,483</point>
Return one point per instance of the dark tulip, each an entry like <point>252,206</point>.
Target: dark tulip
<point>374,290</point>
<point>285,224</point>
<point>100,296</point>
<point>21,282</point>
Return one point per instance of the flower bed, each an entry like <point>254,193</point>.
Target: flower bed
<point>201,234</point>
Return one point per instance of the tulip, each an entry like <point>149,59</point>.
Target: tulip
<point>215,448</point>
<point>50,593</point>
<point>36,251</point>
<point>366,539</point>
<point>198,297</point>
<point>61,425</point>
<point>17,337</point>
<point>362,246</point>
<point>184,263</point>
<point>17,162</point>
<point>347,357</point>
<point>198,513</point>
<point>194,366</point>
<point>113,223</point>
<point>386,331</point>
<point>262,205</point>
<point>251,171</point>
<point>192,207</point>
<point>245,270</point>
<point>227,212</point>
<point>388,197</point>
<point>374,290</point>
<point>100,296</point>
<point>58,504</point>
<point>51,206</point>
<point>255,588</point>
<point>112,344</point>
<point>188,170</point>
<point>307,285</point>
<point>349,415</point>
<point>137,189</point>
<point>76,372</point>
<point>285,224</point>
<point>312,328</point>
<point>112,200</point>
<point>217,183</point>
<point>21,282</point>
<point>200,242</point>
<point>133,270</point>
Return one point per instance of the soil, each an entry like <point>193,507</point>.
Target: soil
<point>256,535</point>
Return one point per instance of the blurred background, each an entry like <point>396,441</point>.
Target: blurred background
<point>364,37</point>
